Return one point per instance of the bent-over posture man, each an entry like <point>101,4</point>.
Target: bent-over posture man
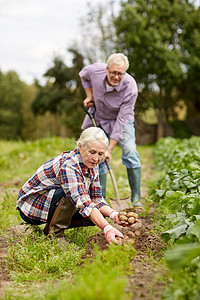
<point>114,93</point>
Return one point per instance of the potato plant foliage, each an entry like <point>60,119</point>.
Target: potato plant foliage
<point>178,193</point>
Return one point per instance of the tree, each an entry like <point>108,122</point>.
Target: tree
<point>98,37</point>
<point>63,93</point>
<point>190,47</point>
<point>11,94</point>
<point>28,128</point>
<point>151,33</point>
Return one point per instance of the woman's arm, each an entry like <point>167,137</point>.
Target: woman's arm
<point>98,219</point>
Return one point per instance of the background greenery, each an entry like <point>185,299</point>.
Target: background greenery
<point>162,42</point>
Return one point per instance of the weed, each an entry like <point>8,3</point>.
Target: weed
<point>9,216</point>
<point>80,236</point>
<point>95,278</point>
<point>37,257</point>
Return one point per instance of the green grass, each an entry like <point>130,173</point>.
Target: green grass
<point>108,267</point>
<point>9,146</point>
<point>104,278</point>
<point>38,258</point>
<point>22,160</point>
<point>8,216</point>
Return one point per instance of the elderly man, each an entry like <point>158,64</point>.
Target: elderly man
<point>114,93</point>
<point>65,191</point>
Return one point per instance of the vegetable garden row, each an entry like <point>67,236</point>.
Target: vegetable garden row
<point>178,194</point>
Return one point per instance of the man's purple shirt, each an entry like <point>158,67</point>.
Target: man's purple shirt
<point>114,107</point>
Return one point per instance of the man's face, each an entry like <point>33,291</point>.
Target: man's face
<point>92,153</point>
<point>115,74</point>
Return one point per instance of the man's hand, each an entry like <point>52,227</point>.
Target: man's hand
<point>107,154</point>
<point>88,102</point>
<point>111,233</point>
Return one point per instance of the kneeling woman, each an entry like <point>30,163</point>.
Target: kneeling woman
<point>65,191</point>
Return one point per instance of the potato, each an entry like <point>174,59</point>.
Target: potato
<point>131,234</point>
<point>130,214</point>
<point>123,218</point>
<point>131,220</point>
<point>137,233</point>
<point>120,240</point>
<point>135,215</point>
<point>122,213</point>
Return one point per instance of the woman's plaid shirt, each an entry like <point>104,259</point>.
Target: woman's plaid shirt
<point>67,171</point>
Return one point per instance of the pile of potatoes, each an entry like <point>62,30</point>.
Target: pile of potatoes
<point>129,217</point>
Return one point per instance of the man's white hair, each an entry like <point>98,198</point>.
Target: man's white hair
<point>118,59</point>
<point>93,134</point>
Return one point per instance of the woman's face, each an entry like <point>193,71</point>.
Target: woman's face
<point>92,153</point>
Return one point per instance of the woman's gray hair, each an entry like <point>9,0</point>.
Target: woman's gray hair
<point>93,134</point>
<point>118,59</point>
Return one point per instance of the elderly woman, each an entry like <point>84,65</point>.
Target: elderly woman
<point>65,191</point>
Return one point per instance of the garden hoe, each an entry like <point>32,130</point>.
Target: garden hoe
<point>117,204</point>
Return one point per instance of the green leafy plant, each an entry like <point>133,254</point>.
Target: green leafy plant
<point>178,191</point>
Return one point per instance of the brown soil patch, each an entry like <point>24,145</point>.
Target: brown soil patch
<point>4,274</point>
<point>11,235</point>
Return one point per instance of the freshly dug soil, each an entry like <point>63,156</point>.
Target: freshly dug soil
<point>145,280</point>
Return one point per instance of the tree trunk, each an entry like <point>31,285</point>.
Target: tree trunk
<point>160,127</point>
<point>161,118</point>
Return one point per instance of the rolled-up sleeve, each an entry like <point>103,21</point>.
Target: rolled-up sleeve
<point>85,77</point>
<point>84,194</point>
<point>95,193</point>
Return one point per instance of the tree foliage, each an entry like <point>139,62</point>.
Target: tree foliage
<point>156,37</point>
<point>63,93</point>
<point>190,46</point>
<point>162,41</point>
<point>98,36</point>
<point>11,94</point>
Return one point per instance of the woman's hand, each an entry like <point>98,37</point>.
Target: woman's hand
<point>111,234</point>
<point>114,215</point>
